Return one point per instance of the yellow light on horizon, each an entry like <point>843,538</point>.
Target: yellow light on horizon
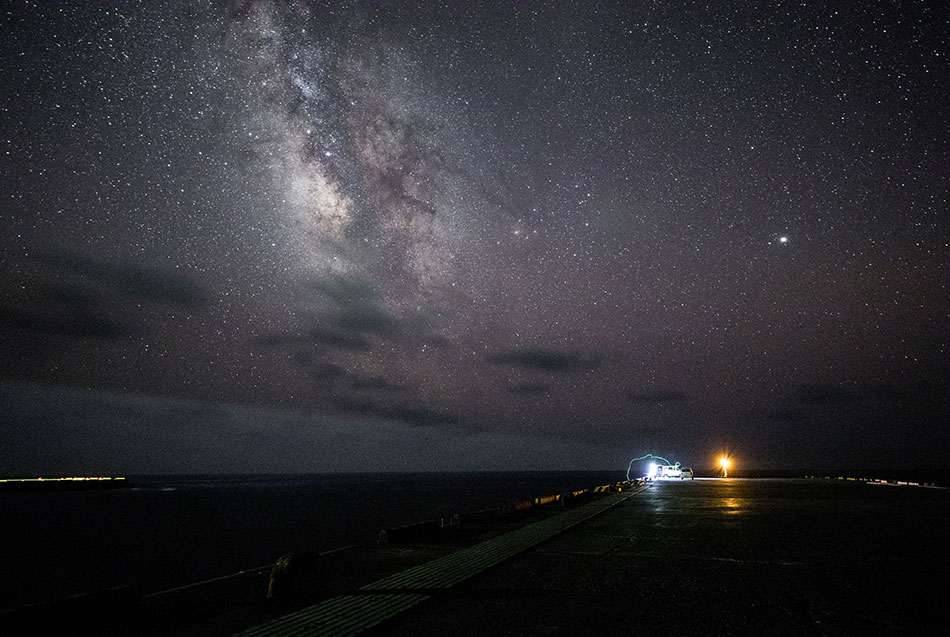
<point>724,462</point>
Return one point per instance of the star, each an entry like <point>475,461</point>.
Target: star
<point>396,225</point>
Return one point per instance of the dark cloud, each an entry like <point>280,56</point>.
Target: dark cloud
<point>657,396</point>
<point>438,341</point>
<point>373,383</point>
<point>279,340</point>
<point>789,415</point>
<point>527,389</point>
<point>350,340</point>
<point>879,394</point>
<point>357,311</point>
<point>75,321</point>
<point>129,280</point>
<point>416,415</point>
<point>355,320</point>
<point>320,370</point>
<point>367,319</point>
<point>544,360</point>
<point>319,336</point>
<point>74,296</point>
<point>345,291</point>
<point>824,394</point>
<point>331,373</point>
<point>890,392</point>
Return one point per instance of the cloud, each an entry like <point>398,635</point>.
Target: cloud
<point>345,291</point>
<point>357,309</point>
<point>78,297</point>
<point>320,370</point>
<point>786,414</point>
<point>348,314</point>
<point>438,341</point>
<point>527,389</point>
<point>352,323</point>
<point>129,280</point>
<point>889,392</point>
<point>367,319</point>
<point>76,321</point>
<point>657,396</point>
<point>416,415</point>
<point>50,429</point>
<point>348,340</point>
<point>823,394</point>
<point>373,383</point>
<point>878,395</point>
<point>331,373</point>
<point>544,360</point>
<point>316,335</point>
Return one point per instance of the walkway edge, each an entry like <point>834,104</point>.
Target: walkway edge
<point>352,613</point>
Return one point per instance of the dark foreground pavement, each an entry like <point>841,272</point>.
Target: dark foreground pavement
<point>720,557</point>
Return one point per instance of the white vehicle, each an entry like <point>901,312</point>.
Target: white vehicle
<point>668,472</point>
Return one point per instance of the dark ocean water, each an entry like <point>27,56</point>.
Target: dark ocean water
<point>169,531</point>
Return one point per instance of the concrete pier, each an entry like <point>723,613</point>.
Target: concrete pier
<point>823,557</point>
<point>720,557</point>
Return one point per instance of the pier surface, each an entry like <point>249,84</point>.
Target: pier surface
<point>710,556</point>
<point>720,557</point>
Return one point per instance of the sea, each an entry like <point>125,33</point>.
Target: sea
<point>169,531</point>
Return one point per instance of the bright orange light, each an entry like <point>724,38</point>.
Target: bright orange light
<point>724,462</point>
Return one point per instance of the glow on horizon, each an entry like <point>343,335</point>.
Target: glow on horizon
<point>66,479</point>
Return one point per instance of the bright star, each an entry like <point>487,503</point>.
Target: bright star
<point>783,239</point>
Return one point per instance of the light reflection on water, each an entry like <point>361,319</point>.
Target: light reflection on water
<point>732,506</point>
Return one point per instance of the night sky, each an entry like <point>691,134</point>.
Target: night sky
<point>425,236</point>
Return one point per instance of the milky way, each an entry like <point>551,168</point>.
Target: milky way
<point>623,227</point>
<point>352,146</point>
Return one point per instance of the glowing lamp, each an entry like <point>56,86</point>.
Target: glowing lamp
<point>724,463</point>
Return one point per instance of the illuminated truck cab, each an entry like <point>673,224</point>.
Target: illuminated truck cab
<point>668,472</point>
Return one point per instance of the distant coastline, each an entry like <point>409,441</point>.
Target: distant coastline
<point>70,483</point>
<point>916,475</point>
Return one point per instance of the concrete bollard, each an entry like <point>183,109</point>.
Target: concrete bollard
<point>290,565</point>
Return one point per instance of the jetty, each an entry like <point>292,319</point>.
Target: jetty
<point>727,556</point>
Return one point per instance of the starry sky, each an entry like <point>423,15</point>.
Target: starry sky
<point>328,236</point>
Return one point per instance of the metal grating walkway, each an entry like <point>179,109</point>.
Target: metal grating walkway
<point>374,603</point>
